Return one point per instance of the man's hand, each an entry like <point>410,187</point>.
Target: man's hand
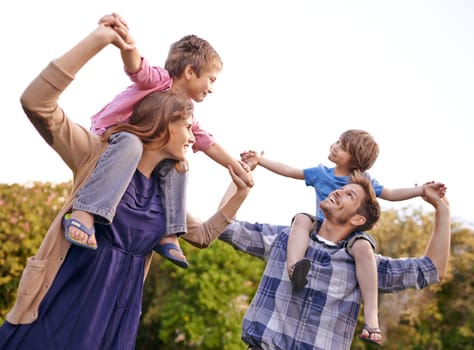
<point>434,193</point>
<point>439,187</point>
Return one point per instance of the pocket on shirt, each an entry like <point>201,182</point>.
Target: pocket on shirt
<point>32,277</point>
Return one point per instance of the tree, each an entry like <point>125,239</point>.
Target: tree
<point>26,211</point>
<point>202,307</point>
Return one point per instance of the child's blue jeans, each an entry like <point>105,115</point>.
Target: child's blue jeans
<point>109,180</point>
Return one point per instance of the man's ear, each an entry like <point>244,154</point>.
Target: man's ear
<point>358,220</point>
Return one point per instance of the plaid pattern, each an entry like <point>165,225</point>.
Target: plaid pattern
<point>324,314</point>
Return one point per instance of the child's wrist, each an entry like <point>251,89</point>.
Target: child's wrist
<point>423,188</point>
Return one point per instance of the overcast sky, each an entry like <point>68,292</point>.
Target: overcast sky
<point>296,75</point>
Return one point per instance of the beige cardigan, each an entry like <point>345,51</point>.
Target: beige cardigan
<point>80,149</point>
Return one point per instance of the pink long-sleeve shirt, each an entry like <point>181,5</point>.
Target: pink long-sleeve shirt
<point>148,79</point>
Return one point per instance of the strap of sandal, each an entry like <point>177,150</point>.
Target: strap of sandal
<point>373,331</point>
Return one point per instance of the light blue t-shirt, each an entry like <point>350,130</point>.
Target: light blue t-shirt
<point>323,180</point>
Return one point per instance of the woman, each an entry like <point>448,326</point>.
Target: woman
<point>75,298</point>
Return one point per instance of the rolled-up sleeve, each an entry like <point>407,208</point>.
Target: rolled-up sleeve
<point>150,77</point>
<point>204,140</point>
<point>202,234</point>
<point>395,275</point>
<point>255,239</point>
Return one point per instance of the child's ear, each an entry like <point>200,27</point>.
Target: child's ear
<point>189,72</point>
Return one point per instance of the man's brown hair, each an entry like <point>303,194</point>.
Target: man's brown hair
<point>370,207</point>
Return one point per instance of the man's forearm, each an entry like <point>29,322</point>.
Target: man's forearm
<point>252,238</point>
<point>439,245</point>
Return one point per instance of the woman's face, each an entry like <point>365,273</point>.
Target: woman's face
<point>181,138</point>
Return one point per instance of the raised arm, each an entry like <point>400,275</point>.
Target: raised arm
<point>217,153</point>
<point>439,243</point>
<point>202,234</point>
<point>398,274</point>
<point>73,60</point>
<point>400,194</point>
<point>131,58</point>
<point>40,98</point>
<point>144,76</point>
<point>272,165</point>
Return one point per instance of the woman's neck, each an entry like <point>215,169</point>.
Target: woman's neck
<point>150,159</point>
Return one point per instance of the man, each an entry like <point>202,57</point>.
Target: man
<point>323,315</point>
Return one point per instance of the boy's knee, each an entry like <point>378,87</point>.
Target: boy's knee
<point>132,146</point>
<point>360,244</point>
<point>303,218</point>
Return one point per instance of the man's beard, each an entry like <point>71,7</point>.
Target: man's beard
<point>329,215</point>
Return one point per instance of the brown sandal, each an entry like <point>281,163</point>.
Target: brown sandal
<point>369,338</point>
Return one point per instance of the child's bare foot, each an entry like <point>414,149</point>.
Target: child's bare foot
<point>79,234</point>
<point>170,249</point>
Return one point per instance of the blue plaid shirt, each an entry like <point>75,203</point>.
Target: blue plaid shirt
<point>323,315</point>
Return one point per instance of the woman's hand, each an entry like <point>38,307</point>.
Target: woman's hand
<point>238,181</point>
<point>120,26</point>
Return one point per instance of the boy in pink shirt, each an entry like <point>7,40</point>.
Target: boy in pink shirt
<point>191,69</point>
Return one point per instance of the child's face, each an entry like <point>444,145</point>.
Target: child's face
<point>199,87</point>
<point>339,155</point>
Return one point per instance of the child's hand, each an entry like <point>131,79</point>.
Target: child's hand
<point>251,158</point>
<point>112,19</point>
<point>182,166</point>
<point>113,37</point>
<point>434,193</point>
<point>438,187</point>
<point>118,24</point>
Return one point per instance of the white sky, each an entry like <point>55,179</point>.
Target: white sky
<point>296,75</point>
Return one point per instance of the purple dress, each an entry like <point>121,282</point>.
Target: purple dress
<point>95,300</point>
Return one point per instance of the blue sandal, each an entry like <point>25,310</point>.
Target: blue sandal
<point>67,222</point>
<point>164,249</point>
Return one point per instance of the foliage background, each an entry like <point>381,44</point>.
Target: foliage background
<point>202,307</point>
